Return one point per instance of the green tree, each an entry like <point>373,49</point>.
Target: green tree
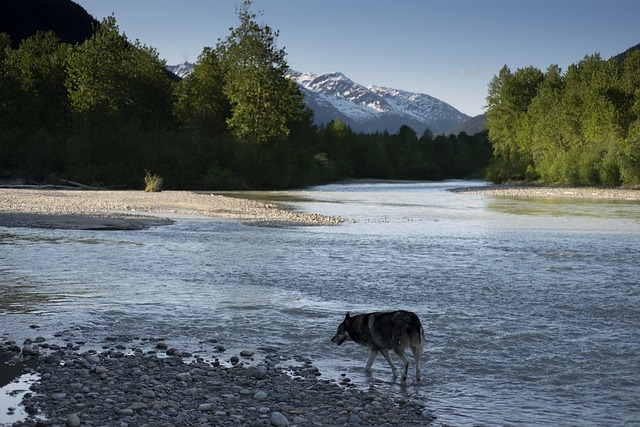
<point>508,99</point>
<point>98,80</point>
<point>119,93</point>
<point>546,139</point>
<point>580,128</point>
<point>9,110</point>
<point>336,138</point>
<point>264,102</point>
<point>35,106</point>
<point>38,65</point>
<point>201,104</point>
<point>630,147</point>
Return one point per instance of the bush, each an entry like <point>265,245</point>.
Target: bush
<point>218,178</point>
<point>153,183</point>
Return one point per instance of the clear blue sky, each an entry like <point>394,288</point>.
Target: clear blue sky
<point>449,49</point>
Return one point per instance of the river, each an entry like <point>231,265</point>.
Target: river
<point>530,307</point>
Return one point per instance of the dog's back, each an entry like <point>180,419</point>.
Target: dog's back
<point>394,330</point>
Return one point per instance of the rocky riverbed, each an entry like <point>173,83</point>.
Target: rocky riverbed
<point>130,210</point>
<point>145,382</point>
<point>548,192</point>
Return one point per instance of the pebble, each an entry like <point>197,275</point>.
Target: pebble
<point>277,419</point>
<point>121,388</point>
<point>73,420</point>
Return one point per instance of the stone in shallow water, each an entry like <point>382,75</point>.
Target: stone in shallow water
<point>73,420</point>
<point>277,419</point>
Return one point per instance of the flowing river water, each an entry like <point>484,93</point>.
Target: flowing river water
<point>531,307</point>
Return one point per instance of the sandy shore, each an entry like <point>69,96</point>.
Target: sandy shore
<point>530,191</point>
<point>131,210</point>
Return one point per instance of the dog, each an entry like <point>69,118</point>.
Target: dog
<point>384,331</point>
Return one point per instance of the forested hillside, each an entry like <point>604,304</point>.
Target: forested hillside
<point>105,112</point>
<point>23,18</point>
<point>579,127</point>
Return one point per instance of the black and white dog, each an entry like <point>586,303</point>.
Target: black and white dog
<point>384,331</point>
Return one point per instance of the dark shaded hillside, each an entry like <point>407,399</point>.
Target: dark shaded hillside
<point>472,126</point>
<point>622,56</point>
<point>23,18</point>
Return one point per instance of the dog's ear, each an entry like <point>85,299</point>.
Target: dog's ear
<point>347,317</point>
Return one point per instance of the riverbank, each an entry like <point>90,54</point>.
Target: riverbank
<point>531,191</point>
<point>132,210</point>
<point>147,382</point>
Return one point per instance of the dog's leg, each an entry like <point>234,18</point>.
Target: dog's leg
<point>372,358</point>
<point>385,353</point>
<point>405,360</point>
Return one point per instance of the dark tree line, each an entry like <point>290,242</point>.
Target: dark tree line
<point>106,111</point>
<point>580,127</point>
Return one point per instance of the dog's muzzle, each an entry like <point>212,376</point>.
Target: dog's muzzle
<point>339,338</point>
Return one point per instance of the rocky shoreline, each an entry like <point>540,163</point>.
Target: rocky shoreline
<point>132,210</point>
<point>125,384</point>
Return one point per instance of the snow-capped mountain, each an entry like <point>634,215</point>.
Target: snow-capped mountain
<point>373,108</point>
<point>181,70</point>
<point>367,109</point>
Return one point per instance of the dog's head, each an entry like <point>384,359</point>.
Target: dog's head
<point>343,331</point>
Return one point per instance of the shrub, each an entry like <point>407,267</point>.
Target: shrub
<point>153,183</point>
<point>218,178</point>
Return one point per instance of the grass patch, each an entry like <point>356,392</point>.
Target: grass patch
<point>153,183</point>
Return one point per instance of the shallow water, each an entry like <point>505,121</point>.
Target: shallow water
<point>530,307</point>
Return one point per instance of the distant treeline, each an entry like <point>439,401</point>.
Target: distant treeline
<point>581,127</point>
<point>106,111</point>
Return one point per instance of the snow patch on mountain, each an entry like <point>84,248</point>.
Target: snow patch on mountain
<point>181,70</point>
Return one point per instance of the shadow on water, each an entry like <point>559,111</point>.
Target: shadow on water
<point>268,197</point>
<point>20,295</point>
<point>14,239</point>
<point>566,207</point>
<point>21,298</point>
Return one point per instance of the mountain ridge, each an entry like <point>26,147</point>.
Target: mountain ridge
<point>370,109</point>
<point>366,109</point>
<point>472,126</point>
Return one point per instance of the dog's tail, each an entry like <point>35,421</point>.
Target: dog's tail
<point>417,340</point>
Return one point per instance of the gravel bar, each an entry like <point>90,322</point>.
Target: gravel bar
<point>530,191</point>
<point>104,209</point>
<point>126,385</point>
